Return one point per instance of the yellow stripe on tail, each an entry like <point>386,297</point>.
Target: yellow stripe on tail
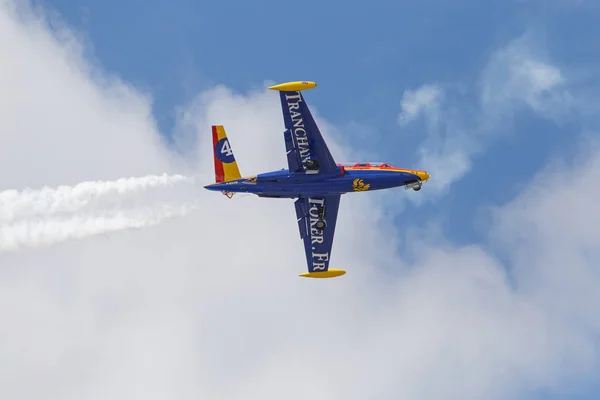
<point>226,168</point>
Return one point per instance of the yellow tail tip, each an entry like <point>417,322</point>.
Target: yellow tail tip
<point>332,273</point>
<point>294,86</point>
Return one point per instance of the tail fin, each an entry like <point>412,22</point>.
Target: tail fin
<point>226,168</point>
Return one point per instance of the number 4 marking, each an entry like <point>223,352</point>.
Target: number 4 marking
<point>226,149</point>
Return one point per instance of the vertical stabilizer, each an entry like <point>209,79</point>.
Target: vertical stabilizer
<point>226,168</point>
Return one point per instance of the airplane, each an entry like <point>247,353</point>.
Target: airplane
<point>313,177</point>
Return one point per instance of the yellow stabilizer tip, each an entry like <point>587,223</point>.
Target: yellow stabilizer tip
<point>294,86</point>
<point>332,273</point>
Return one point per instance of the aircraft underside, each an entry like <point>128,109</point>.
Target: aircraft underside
<point>312,177</point>
<point>294,186</point>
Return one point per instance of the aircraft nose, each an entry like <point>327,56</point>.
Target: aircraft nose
<point>424,175</point>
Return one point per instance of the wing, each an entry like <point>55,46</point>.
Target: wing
<point>303,140</point>
<point>317,244</point>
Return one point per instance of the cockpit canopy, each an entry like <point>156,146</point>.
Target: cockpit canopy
<point>382,165</point>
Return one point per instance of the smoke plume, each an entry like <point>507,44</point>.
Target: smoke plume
<point>42,217</point>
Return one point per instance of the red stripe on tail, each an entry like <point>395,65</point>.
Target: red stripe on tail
<point>219,174</point>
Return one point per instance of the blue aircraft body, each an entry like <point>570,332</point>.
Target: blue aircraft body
<point>313,178</point>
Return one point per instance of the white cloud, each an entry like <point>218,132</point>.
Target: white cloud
<point>93,117</point>
<point>518,76</point>
<point>210,306</point>
<point>423,100</point>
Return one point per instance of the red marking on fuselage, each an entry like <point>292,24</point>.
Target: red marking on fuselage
<point>369,167</point>
<point>219,173</point>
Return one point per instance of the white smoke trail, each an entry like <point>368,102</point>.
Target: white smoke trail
<point>48,201</point>
<point>38,233</point>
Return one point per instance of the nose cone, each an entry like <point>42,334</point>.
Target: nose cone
<point>423,175</point>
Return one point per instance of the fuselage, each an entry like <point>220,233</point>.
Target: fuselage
<point>357,177</point>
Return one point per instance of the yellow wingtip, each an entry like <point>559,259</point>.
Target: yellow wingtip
<point>294,86</point>
<point>332,273</point>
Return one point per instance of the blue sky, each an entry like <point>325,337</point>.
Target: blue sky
<point>364,59</point>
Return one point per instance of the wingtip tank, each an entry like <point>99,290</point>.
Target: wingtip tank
<point>294,86</point>
<point>332,273</point>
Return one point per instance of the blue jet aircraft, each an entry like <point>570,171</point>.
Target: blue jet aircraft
<point>313,178</point>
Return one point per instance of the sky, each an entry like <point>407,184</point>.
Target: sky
<point>482,285</point>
